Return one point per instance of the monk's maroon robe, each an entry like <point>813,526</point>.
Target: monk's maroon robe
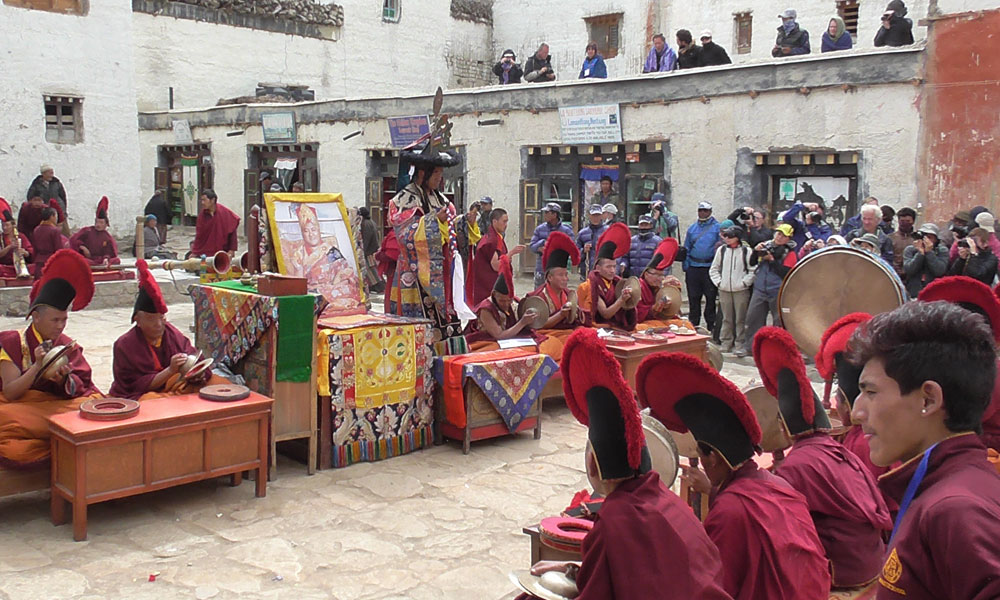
<point>46,240</point>
<point>767,539</point>
<point>482,277</point>
<point>214,233</point>
<point>78,383</point>
<point>948,543</point>
<point>845,503</point>
<point>28,218</point>
<point>102,246</point>
<point>599,288</point>
<point>136,362</point>
<point>7,260</point>
<point>474,333</point>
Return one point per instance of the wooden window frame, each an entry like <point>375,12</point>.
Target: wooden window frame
<point>849,11</point>
<point>64,7</point>
<point>391,10</point>
<point>55,125</point>
<point>743,46</point>
<point>606,46</point>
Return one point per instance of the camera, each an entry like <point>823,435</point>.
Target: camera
<point>917,235</point>
<point>963,243</point>
<point>767,249</point>
<point>960,231</point>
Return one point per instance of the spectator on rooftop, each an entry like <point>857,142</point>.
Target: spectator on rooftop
<point>661,57</point>
<point>792,39</point>
<point>836,37</point>
<point>896,30</point>
<point>593,66</point>
<point>538,68</point>
<point>688,53</point>
<point>507,68</point>
<point>712,54</point>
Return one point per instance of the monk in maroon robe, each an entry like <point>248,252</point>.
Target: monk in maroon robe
<point>95,242</point>
<point>760,524</point>
<point>559,253</point>
<point>30,215</point>
<point>606,308</point>
<point>215,229</point>
<point>495,318</point>
<point>486,263</point>
<point>9,243</point>
<point>646,543</point>
<point>47,239</point>
<point>941,357</point>
<point>26,398</point>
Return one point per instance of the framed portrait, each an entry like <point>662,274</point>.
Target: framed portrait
<point>312,238</point>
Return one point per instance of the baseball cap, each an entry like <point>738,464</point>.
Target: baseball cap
<point>786,229</point>
<point>932,229</point>
<point>611,208</point>
<point>486,200</point>
<point>704,206</point>
<point>264,175</point>
<point>986,221</point>
<point>552,207</point>
<point>596,209</point>
<point>706,33</point>
<point>646,219</point>
<point>788,14</point>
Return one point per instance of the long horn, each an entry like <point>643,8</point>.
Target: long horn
<point>245,262</point>
<point>220,263</point>
<point>191,264</point>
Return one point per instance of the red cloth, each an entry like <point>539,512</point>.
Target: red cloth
<point>948,544</point>
<point>646,543</point>
<point>479,283</point>
<point>28,218</point>
<point>215,232</point>
<point>845,503</point>
<point>78,383</point>
<point>134,364</point>
<point>767,539</point>
<point>454,368</point>
<point>46,240</point>
<point>101,244</point>
<point>8,259</point>
<point>599,288</point>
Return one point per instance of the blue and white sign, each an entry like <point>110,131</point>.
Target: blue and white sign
<point>596,124</point>
<point>406,130</point>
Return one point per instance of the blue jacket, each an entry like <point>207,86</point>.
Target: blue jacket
<point>802,231</point>
<point>538,240</point>
<point>855,223</point>
<point>589,234</point>
<point>701,241</point>
<point>844,42</point>
<point>598,70</point>
<point>639,254</point>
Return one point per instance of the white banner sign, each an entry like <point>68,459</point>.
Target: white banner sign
<point>597,124</point>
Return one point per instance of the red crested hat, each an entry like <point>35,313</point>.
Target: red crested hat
<point>600,398</point>
<point>54,205</point>
<point>615,241</point>
<point>102,208</point>
<point>5,211</point>
<point>971,294</point>
<point>685,394</point>
<point>150,297</point>
<point>664,254</point>
<point>783,373</point>
<point>66,278</point>
<point>834,342</point>
<point>505,277</point>
<point>559,250</point>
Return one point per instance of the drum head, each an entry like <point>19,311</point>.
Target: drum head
<point>774,436</point>
<point>662,449</point>
<point>540,306</point>
<point>633,284</point>
<point>673,294</point>
<point>815,293</point>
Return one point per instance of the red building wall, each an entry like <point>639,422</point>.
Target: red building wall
<point>960,158</point>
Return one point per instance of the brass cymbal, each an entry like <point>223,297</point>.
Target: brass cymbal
<point>633,284</point>
<point>539,305</point>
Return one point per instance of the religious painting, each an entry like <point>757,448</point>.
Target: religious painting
<point>313,239</point>
<point>832,194</point>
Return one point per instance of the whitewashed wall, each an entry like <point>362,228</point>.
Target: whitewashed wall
<point>88,56</point>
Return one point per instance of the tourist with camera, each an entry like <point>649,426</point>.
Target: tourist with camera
<point>507,69</point>
<point>976,258</point>
<point>924,260</point>
<point>902,238</point>
<point>773,260</point>
<point>896,29</point>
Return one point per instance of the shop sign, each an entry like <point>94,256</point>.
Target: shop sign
<point>596,124</point>
<point>406,130</point>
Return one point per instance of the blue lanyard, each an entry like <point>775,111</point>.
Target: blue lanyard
<point>911,491</point>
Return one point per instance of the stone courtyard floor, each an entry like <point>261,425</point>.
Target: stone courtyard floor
<point>430,525</point>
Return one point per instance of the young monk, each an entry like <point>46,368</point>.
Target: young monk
<point>26,401</point>
<point>646,543</point>
<point>215,229</point>
<point>560,251</point>
<point>47,239</point>
<point>148,357</point>
<point>928,371</point>
<point>9,243</point>
<point>849,512</point>
<point>485,264</point>
<point>606,309</point>
<point>30,215</point>
<point>95,243</point>
<point>495,317</point>
<point>650,313</point>
<point>760,524</point>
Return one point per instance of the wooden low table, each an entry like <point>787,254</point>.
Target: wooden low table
<point>172,441</point>
<point>630,355</point>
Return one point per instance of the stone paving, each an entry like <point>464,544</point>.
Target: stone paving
<point>430,525</point>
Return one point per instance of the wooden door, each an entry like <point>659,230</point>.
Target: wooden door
<point>161,181</point>
<point>530,204</point>
<point>207,176</point>
<point>373,201</point>
<point>251,193</point>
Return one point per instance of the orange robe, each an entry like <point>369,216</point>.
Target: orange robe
<point>644,311</point>
<point>24,423</point>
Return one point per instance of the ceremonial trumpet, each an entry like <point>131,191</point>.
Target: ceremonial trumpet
<point>220,264</point>
<point>20,268</point>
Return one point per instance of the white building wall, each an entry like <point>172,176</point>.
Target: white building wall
<point>204,62</point>
<point>88,56</point>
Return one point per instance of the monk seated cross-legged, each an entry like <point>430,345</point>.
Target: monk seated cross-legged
<point>495,317</point>
<point>760,524</point>
<point>26,398</point>
<point>607,310</point>
<point>645,542</point>
<point>47,239</point>
<point>653,313</point>
<point>11,246</point>
<point>96,243</point>
<point>558,253</point>
<point>148,358</point>
<point>846,505</point>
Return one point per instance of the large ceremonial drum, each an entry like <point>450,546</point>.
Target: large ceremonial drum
<point>662,449</point>
<point>831,283</point>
